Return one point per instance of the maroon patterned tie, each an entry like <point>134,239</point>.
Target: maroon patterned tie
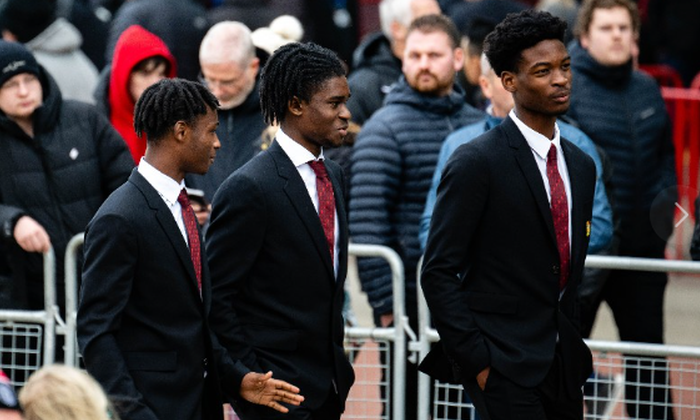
<point>560,214</point>
<point>326,203</point>
<point>192,235</point>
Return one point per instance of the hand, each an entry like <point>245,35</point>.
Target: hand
<point>261,389</point>
<point>386,320</point>
<point>31,236</point>
<point>482,377</point>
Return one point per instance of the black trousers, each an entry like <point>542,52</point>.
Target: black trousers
<point>503,399</point>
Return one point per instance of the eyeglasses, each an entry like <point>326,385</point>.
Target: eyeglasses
<point>224,84</point>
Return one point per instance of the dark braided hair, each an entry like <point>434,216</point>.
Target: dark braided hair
<point>169,101</point>
<point>518,32</point>
<point>295,69</point>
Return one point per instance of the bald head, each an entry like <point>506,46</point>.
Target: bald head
<point>228,62</point>
<point>226,42</point>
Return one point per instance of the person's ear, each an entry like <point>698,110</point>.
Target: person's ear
<point>509,81</point>
<point>295,106</point>
<point>180,130</point>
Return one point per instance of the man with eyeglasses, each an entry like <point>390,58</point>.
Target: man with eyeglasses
<point>230,71</point>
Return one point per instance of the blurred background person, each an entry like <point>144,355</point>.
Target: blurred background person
<point>55,43</point>
<point>9,406</point>
<point>376,63</point>
<point>59,160</point>
<point>140,59</point>
<point>58,392</point>
<point>181,24</point>
<point>230,70</point>
<point>622,111</point>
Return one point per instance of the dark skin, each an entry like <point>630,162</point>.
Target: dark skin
<point>541,87</point>
<point>323,119</point>
<point>541,90</point>
<point>191,148</point>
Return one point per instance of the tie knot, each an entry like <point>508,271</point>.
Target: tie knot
<point>319,168</point>
<point>183,198</point>
<point>552,154</point>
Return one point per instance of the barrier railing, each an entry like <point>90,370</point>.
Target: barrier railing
<point>370,375</point>
<point>380,352</point>
<point>609,357</point>
<point>71,280</point>
<point>23,332</point>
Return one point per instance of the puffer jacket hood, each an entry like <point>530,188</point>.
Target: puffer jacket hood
<point>134,45</point>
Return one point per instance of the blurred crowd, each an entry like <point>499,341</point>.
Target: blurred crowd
<point>72,71</point>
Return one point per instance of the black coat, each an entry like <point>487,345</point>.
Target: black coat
<point>59,177</point>
<point>277,304</point>
<point>142,327</point>
<point>491,271</point>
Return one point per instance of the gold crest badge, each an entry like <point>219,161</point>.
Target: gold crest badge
<point>588,228</point>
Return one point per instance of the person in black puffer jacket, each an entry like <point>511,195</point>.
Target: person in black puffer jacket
<point>393,162</point>
<point>59,161</point>
<point>623,112</point>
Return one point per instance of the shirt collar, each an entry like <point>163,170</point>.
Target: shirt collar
<point>537,142</point>
<point>297,153</point>
<point>167,187</point>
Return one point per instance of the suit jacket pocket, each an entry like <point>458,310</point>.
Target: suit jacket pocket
<point>492,303</point>
<point>272,338</point>
<point>154,361</point>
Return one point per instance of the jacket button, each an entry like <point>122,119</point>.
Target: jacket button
<point>555,270</point>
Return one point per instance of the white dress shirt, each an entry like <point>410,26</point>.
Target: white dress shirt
<point>300,158</point>
<point>168,189</point>
<point>539,145</point>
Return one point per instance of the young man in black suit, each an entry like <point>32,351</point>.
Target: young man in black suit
<point>509,237</point>
<point>142,321</point>
<point>277,240</point>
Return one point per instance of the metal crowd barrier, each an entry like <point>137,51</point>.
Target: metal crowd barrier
<point>607,400</point>
<point>28,338</point>
<point>71,280</point>
<point>376,363</point>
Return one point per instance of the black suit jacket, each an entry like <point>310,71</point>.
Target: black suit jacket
<point>492,267</point>
<point>142,327</point>
<point>277,303</point>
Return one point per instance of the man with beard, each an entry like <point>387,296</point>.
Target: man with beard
<point>230,70</point>
<point>394,158</point>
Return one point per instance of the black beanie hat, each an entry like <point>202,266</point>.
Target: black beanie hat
<point>15,59</point>
<point>27,18</point>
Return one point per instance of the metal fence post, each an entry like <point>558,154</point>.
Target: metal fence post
<point>71,280</point>
<point>399,336</point>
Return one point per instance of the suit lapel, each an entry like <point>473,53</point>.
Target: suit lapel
<point>340,209</point>
<point>528,166</point>
<point>166,222</point>
<point>298,195</point>
<point>577,219</point>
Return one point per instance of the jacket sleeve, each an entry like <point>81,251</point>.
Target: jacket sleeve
<point>114,157</point>
<point>234,238</point>
<point>461,203</point>
<point>376,172</point>
<point>108,273</point>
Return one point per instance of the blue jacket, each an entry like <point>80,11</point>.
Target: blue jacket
<point>393,162</point>
<point>602,221</point>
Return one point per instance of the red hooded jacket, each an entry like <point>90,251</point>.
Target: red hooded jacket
<point>134,45</point>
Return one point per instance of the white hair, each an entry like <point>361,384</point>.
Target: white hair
<point>394,11</point>
<point>225,42</point>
